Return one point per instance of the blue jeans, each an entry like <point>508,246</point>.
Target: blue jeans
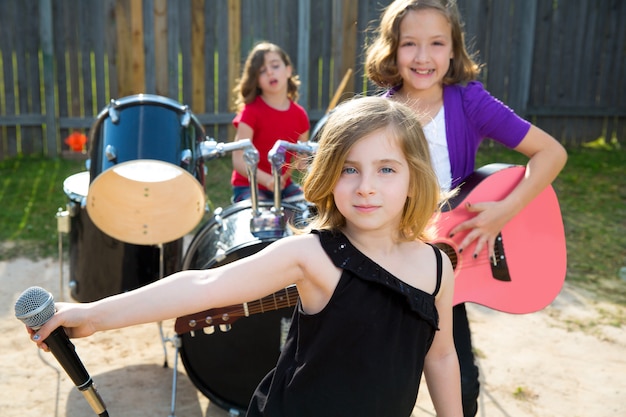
<point>243,193</point>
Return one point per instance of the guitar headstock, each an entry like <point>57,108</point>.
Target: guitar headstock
<point>208,320</point>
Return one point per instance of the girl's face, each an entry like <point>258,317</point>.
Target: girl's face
<point>424,50</point>
<point>274,74</point>
<point>374,184</point>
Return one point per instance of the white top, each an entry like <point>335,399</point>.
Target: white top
<point>435,132</point>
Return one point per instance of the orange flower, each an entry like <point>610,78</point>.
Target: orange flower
<point>76,141</point>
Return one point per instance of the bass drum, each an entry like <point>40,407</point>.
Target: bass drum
<point>227,366</point>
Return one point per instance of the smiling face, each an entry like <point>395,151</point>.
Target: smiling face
<point>424,51</point>
<point>274,74</point>
<point>374,183</point>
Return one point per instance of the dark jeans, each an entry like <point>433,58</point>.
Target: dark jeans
<point>470,387</point>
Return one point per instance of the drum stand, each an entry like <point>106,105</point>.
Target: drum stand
<point>63,226</point>
<point>175,340</point>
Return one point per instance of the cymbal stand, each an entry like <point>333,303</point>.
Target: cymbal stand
<point>174,340</point>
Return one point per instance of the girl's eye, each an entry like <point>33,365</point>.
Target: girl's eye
<point>348,170</point>
<point>387,170</point>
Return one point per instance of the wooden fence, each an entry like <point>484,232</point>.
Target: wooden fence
<point>559,63</point>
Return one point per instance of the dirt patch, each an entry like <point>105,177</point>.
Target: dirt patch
<point>566,360</point>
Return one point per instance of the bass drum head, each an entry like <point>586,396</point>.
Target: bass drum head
<point>227,366</point>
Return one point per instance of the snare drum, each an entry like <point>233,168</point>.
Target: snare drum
<point>101,265</point>
<point>227,366</point>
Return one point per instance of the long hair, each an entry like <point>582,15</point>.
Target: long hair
<point>380,60</point>
<point>247,88</point>
<point>346,125</point>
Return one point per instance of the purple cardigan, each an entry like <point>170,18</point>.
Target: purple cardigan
<point>471,115</point>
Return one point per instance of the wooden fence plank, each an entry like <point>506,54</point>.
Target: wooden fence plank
<point>110,45</point>
<point>173,50</point>
<point>161,48</point>
<point>47,56</point>
<point>149,42</point>
<point>197,56</point>
<point>185,50</point>
<point>138,57</point>
<point>229,54</point>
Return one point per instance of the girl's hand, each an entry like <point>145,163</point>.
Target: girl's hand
<point>485,226</point>
<point>73,317</point>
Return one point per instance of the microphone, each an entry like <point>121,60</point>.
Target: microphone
<point>35,307</point>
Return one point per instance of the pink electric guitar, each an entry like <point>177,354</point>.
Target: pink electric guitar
<point>531,257</point>
<point>527,275</point>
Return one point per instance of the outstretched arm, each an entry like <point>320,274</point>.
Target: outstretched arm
<point>277,266</point>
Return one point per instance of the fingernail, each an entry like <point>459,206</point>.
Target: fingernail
<point>467,204</point>
<point>475,255</point>
<point>460,250</point>
<point>451,235</point>
<point>36,337</point>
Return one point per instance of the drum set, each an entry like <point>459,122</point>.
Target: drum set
<point>127,217</point>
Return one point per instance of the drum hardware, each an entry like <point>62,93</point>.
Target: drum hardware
<point>210,149</point>
<point>63,227</point>
<point>276,157</point>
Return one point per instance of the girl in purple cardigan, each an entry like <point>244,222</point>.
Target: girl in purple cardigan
<point>419,57</point>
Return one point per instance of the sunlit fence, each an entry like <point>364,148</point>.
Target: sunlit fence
<point>559,63</point>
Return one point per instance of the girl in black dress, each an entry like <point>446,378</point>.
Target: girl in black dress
<point>375,307</point>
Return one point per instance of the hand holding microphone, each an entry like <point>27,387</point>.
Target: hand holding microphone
<point>35,307</point>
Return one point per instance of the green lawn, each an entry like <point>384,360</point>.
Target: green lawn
<point>591,191</point>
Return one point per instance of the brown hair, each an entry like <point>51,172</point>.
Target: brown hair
<point>346,125</point>
<point>380,60</point>
<point>247,88</point>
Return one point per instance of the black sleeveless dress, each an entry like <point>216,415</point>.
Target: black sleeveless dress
<point>362,355</point>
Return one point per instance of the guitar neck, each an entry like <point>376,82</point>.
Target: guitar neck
<point>224,316</point>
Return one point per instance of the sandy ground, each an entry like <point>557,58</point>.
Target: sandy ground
<point>566,360</point>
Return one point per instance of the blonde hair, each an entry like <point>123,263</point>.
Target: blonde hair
<point>380,59</point>
<point>247,88</point>
<point>346,125</point>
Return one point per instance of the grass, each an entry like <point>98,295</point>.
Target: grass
<point>591,191</point>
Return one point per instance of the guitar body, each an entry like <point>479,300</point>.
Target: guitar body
<point>530,251</point>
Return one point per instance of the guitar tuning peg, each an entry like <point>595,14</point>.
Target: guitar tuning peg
<point>225,327</point>
<point>209,330</point>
